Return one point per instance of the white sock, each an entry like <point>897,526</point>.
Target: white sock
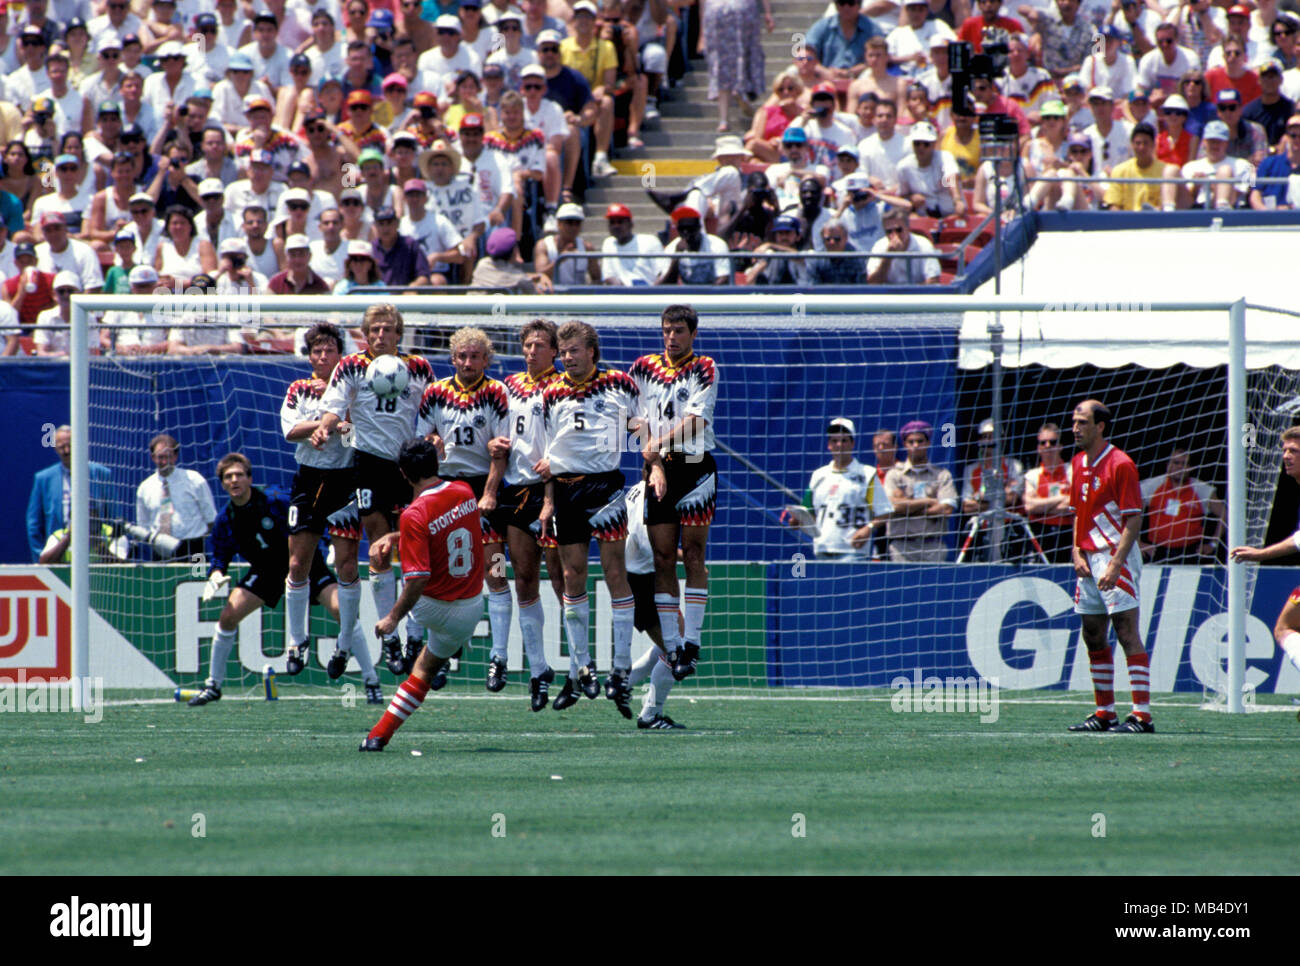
<point>350,637</point>
<point>383,588</point>
<point>500,611</point>
<point>696,599</point>
<point>297,598</point>
<point>643,666</point>
<point>1291,647</point>
<point>624,613</point>
<point>577,613</point>
<point>222,644</point>
<point>669,627</point>
<point>531,623</point>
<point>661,682</point>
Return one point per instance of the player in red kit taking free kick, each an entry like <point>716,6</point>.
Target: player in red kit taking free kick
<point>1107,502</point>
<point>440,543</point>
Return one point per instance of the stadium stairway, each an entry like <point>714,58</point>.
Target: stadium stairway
<point>679,146</point>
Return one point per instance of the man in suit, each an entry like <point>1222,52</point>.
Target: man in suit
<point>51,499</point>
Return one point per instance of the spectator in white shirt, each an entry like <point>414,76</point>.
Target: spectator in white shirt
<point>174,501</point>
<point>901,271</point>
<point>930,179</point>
<point>270,59</point>
<point>60,253</point>
<point>880,153</point>
<point>629,258</point>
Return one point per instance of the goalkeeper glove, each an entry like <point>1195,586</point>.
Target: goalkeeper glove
<point>216,581</point>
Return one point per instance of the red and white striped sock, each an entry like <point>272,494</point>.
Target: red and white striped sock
<point>1103,680</point>
<point>1139,676</point>
<point>406,701</point>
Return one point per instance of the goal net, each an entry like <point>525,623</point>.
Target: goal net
<point>787,612</point>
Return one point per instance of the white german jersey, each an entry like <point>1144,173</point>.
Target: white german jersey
<point>304,402</point>
<point>671,393</point>
<point>380,426</point>
<point>527,431</point>
<point>586,423</point>
<point>844,501</point>
<point>638,557</point>
<point>466,418</point>
<point>459,202</point>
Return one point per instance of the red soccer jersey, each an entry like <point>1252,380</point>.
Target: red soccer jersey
<point>442,540</point>
<point>1102,496</point>
<point>1176,513</point>
<point>1044,482</point>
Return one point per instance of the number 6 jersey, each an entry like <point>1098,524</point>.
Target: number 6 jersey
<point>441,540</point>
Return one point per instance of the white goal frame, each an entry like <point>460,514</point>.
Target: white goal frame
<point>640,302</point>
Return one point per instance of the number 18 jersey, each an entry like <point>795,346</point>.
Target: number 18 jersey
<point>441,538</point>
<point>379,426</point>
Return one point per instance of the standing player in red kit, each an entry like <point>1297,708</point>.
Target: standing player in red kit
<point>441,547</point>
<point>1107,502</point>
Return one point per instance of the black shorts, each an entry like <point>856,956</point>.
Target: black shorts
<point>319,500</point>
<point>381,488</point>
<point>268,585</point>
<point>589,506</point>
<point>493,529</point>
<point>643,592</point>
<point>692,492</point>
<point>521,505</point>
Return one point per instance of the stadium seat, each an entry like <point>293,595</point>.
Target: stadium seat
<point>923,225</point>
<point>947,278</point>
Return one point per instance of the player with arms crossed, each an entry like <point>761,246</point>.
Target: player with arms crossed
<point>379,427</point>
<point>323,500</point>
<point>1107,502</point>
<point>678,390</point>
<point>1287,630</point>
<point>441,548</point>
<point>525,491</point>
<point>587,412</point>
<point>254,524</point>
<point>460,416</point>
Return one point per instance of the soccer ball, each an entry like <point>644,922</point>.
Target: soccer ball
<point>387,376</point>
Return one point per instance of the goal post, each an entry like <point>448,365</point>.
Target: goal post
<point>856,349</point>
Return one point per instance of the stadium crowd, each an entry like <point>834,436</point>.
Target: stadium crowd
<point>296,147</point>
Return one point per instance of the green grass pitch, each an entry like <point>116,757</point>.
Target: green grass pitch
<point>280,788</point>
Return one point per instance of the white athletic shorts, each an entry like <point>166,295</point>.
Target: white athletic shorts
<point>450,623</point>
<point>1088,599</point>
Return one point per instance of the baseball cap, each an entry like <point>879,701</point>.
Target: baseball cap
<point>232,246</point>
<point>585,6</point>
<point>1217,130</point>
<point>125,234</point>
<point>121,156</point>
<point>1053,109</point>
<point>987,427</point>
<point>148,275</point>
<point>211,186</point>
<point>426,99</point>
<point>132,132</point>
<point>923,131</point>
<point>260,156</point>
<point>360,97</point>
<point>301,195</point>
<point>405,137</point>
<point>446,21</point>
<point>24,248</point>
<point>824,90</point>
<point>395,80</point>
<point>570,212</point>
<point>360,249</point>
<point>683,212</point>
<point>1293,121</point>
<point>501,242</point>
<point>785,223</point>
<point>1228,96</point>
<point>202,281</point>
<point>129,39</point>
<point>266,17</point>
<point>1175,102</point>
<point>142,198</point>
<point>201,94</point>
<point>493,70</point>
<point>850,149</point>
<point>549,37</point>
<point>205,20</point>
<point>53,218</point>
<point>513,13</point>
<point>1239,10</point>
<point>370,154</point>
<point>618,211</point>
<point>296,241</point>
<point>299,60</point>
<point>533,70</point>
<point>472,120</point>
<point>1072,82</point>
<point>63,159</point>
<point>110,107</point>
<point>858,181</point>
<point>916,426</point>
<point>1078,139</point>
<point>1138,94</point>
<point>414,184</point>
<point>381,19</point>
<point>298,167</point>
<point>842,424</point>
<point>239,61</point>
<point>255,102</point>
<point>1113,32</point>
<point>171,49</point>
<point>1269,66</point>
<point>794,135</point>
<point>1101,92</point>
<point>385,213</point>
<point>109,40</point>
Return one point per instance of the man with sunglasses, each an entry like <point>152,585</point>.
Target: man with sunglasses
<point>691,237</point>
<point>901,271</point>
<point>69,198</point>
<point>1047,497</point>
<point>1246,139</point>
<point>629,257</point>
<point>261,135</point>
<point>570,90</point>
<point>1284,164</point>
<point>59,253</point>
<point>512,55</point>
<point>360,128</point>
<point>486,171</point>
<point>236,275</point>
<point>1283,35</point>
<point>1161,68</point>
<point>451,56</point>
<point>1233,74</point>
<point>327,151</point>
<point>101,86</point>
<point>29,80</point>
<point>1270,110</point>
